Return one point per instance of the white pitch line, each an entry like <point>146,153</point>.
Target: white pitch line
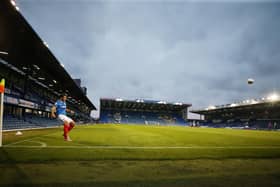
<point>145,147</point>
<point>43,144</point>
<point>26,140</point>
<point>14,143</point>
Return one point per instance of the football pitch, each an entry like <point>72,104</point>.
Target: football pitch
<point>138,155</point>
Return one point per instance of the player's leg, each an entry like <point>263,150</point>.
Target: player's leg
<point>71,125</point>
<point>70,122</point>
<point>66,127</point>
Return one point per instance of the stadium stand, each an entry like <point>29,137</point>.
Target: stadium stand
<point>141,111</point>
<point>34,77</point>
<point>250,114</point>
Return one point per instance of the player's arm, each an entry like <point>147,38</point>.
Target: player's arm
<point>53,111</point>
<point>70,111</point>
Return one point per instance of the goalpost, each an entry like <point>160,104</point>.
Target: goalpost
<point>2,90</point>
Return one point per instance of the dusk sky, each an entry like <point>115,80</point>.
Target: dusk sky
<point>200,53</point>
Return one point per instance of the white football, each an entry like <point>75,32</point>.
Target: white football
<point>250,81</point>
<point>18,133</point>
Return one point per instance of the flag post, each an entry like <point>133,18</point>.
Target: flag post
<point>2,90</point>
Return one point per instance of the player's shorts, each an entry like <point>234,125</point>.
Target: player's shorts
<point>65,118</point>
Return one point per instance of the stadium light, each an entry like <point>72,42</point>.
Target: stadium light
<point>211,108</point>
<point>178,103</point>
<point>139,100</point>
<point>14,4</point>
<point>273,97</point>
<point>162,102</point>
<point>46,44</point>
<point>41,78</point>
<point>119,99</point>
<point>233,105</point>
<point>36,66</point>
<point>253,101</point>
<point>4,53</point>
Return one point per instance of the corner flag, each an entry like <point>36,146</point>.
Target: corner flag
<point>2,90</point>
<point>2,86</point>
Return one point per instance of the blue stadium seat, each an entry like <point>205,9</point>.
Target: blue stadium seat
<point>30,121</point>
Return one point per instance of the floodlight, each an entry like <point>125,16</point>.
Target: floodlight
<point>46,44</point>
<point>162,102</point>
<point>36,66</point>
<point>273,97</point>
<point>13,3</point>
<point>211,107</point>
<point>254,101</point>
<point>4,53</point>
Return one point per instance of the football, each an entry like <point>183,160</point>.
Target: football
<point>250,81</point>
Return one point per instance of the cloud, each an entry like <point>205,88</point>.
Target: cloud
<point>199,53</point>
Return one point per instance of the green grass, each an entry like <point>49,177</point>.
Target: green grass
<point>135,155</point>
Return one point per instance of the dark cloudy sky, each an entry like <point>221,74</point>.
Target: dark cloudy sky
<point>200,53</point>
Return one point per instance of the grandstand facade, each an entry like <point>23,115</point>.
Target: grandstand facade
<point>34,77</point>
<point>142,111</point>
<point>255,113</point>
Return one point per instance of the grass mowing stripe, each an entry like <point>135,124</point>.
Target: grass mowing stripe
<point>44,145</point>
